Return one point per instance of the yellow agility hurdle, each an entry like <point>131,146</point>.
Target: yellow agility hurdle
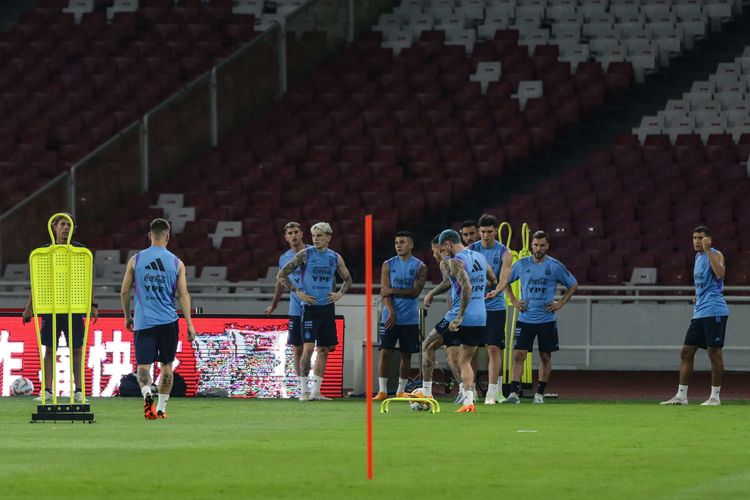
<point>61,282</point>
<point>434,405</point>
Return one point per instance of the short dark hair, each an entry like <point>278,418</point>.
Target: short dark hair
<point>541,235</point>
<point>702,229</point>
<point>405,234</point>
<point>449,235</point>
<point>469,223</point>
<point>488,220</point>
<point>436,240</point>
<point>159,226</point>
<point>60,217</point>
<point>292,224</point>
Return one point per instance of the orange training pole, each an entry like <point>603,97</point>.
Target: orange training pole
<point>368,338</point>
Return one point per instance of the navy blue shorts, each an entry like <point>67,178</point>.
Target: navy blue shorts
<point>450,339</point>
<point>707,332</point>
<point>546,334</point>
<point>295,331</point>
<point>495,328</point>
<point>319,325</point>
<point>407,337</point>
<point>62,326</point>
<point>158,343</point>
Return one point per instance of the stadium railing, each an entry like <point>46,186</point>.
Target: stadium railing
<point>191,121</point>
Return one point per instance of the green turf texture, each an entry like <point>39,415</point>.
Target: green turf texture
<point>288,449</point>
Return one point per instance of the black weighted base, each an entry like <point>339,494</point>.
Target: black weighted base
<point>64,413</point>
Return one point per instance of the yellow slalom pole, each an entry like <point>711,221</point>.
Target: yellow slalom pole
<point>525,252</point>
<point>508,353</point>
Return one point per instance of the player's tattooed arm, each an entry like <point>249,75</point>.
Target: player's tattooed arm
<point>442,286</point>
<point>284,273</point>
<point>459,272</point>
<point>346,285</point>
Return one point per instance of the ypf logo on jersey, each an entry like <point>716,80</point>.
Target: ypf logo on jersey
<point>322,274</point>
<point>155,282</point>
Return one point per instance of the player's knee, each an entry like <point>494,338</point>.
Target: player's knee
<point>493,351</point>
<point>519,356</point>
<point>545,357</point>
<point>688,352</point>
<point>714,353</point>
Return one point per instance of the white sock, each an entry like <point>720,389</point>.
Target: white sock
<point>491,391</point>
<point>317,382</point>
<point>161,405</point>
<point>461,388</point>
<point>715,391</point>
<point>401,385</point>
<point>427,388</point>
<point>682,391</point>
<point>304,385</point>
<point>146,390</point>
<point>383,383</point>
<point>500,381</point>
<point>468,397</point>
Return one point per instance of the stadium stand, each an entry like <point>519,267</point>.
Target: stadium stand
<point>76,73</point>
<point>440,99</point>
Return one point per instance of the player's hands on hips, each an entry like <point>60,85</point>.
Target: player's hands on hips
<point>334,296</point>
<point>129,324</point>
<point>191,333</point>
<point>268,310</point>
<point>428,300</point>
<point>555,306</point>
<point>706,242</point>
<point>455,324</point>
<point>521,305</point>
<point>309,299</point>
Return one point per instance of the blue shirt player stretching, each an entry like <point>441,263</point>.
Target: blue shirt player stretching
<point>539,275</point>
<point>468,275</point>
<point>158,276</point>
<point>319,265</point>
<point>709,323</point>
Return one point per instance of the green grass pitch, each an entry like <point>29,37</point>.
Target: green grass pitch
<point>288,449</point>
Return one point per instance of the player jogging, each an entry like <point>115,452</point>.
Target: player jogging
<point>318,265</point>
<point>539,275</point>
<point>293,235</point>
<point>709,323</point>
<point>500,260</point>
<point>402,279</point>
<point>158,275</point>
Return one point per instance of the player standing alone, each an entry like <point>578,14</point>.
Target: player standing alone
<point>319,265</point>
<point>293,236</point>
<point>539,275</point>
<point>402,279</point>
<point>158,275</point>
<point>709,323</point>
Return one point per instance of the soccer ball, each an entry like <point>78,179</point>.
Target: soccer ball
<point>22,387</point>
<point>417,406</point>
